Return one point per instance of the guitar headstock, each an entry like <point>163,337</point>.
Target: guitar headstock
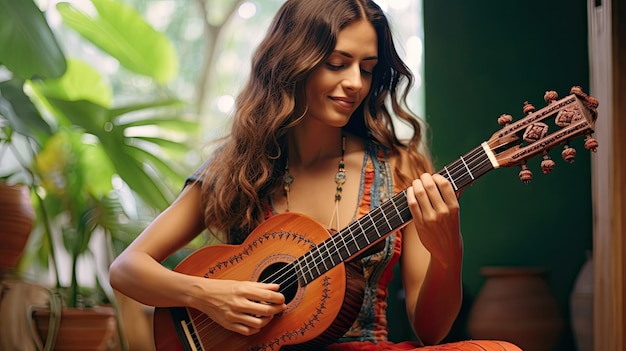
<point>540,131</point>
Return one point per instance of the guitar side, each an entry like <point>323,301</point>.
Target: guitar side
<point>312,318</point>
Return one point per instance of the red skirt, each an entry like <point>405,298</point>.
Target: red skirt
<point>469,345</point>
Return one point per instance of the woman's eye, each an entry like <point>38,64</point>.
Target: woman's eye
<point>334,67</point>
<point>339,66</point>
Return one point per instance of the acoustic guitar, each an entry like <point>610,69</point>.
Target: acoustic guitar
<point>317,272</point>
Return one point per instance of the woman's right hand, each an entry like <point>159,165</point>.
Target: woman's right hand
<point>240,306</point>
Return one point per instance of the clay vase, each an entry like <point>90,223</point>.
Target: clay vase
<point>17,217</point>
<point>89,329</point>
<point>581,307</point>
<point>516,304</point>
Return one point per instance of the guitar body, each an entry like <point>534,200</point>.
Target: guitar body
<point>317,313</point>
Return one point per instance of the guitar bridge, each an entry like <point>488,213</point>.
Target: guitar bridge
<point>185,329</point>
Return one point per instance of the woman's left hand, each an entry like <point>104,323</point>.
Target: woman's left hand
<point>435,209</point>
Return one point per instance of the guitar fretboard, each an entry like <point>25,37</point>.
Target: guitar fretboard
<point>393,214</point>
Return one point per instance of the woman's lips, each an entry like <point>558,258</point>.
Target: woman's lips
<point>343,101</point>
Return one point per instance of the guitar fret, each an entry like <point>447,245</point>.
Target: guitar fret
<point>345,244</point>
<point>457,172</point>
<point>386,220</point>
<point>331,255</point>
<point>395,207</point>
<point>306,268</point>
<point>466,167</point>
<point>303,268</point>
<point>335,256</point>
<point>375,228</point>
<point>299,268</point>
<point>364,232</point>
<point>393,214</point>
<point>322,256</point>
<point>358,247</point>
<point>450,178</point>
<point>317,267</point>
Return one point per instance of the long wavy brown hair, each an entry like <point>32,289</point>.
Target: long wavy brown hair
<point>249,165</point>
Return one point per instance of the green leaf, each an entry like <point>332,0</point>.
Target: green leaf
<point>20,112</point>
<point>163,168</point>
<point>80,82</point>
<point>91,117</point>
<point>122,110</point>
<point>172,123</point>
<point>120,31</point>
<point>98,170</point>
<point>111,212</point>
<point>29,49</point>
<point>131,170</point>
<point>167,145</point>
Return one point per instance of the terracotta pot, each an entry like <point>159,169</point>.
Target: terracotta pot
<point>581,307</point>
<point>516,304</point>
<point>90,329</point>
<point>16,222</point>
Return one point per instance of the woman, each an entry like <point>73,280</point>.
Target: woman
<point>312,133</point>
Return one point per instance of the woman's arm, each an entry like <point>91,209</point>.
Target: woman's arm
<point>138,273</point>
<point>431,258</point>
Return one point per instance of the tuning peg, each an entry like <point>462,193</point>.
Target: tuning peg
<point>525,175</point>
<point>591,143</point>
<point>528,108</point>
<point>568,154</point>
<point>547,165</point>
<point>576,89</point>
<point>550,96</point>
<point>589,101</point>
<point>505,119</point>
<point>592,102</point>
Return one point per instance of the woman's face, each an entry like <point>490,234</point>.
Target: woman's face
<point>337,87</point>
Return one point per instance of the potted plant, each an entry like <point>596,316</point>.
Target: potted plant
<point>17,214</point>
<point>21,125</point>
<point>88,151</point>
<point>16,220</point>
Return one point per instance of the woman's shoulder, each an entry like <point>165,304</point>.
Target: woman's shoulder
<point>198,174</point>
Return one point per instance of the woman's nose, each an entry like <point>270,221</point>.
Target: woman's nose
<point>353,79</point>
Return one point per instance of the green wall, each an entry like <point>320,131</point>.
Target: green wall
<point>483,59</point>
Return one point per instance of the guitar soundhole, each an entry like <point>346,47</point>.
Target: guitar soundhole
<point>283,274</point>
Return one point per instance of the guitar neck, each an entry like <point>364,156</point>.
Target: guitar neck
<point>392,215</point>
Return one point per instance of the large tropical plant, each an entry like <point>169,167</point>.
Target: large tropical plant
<point>79,144</point>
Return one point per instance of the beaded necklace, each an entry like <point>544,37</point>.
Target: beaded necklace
<point>340,179</point>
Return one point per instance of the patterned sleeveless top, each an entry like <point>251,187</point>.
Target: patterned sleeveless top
<point>369,332</point>
<point>376,187</point>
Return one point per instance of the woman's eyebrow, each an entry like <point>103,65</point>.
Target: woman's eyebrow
<point>346,54</point>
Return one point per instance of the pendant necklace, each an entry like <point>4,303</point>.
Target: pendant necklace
<point>340,179</point>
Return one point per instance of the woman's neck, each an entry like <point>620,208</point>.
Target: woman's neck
<point>308,147</point>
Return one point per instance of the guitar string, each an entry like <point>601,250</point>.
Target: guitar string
<point>285,271</point>
<point>291,281</point>
<point>285,274</point>
<point>453,169</point>
<point>471,158</point>
<point>282,274</point>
